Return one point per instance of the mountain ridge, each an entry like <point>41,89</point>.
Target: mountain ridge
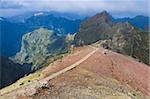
<point>121,37</point>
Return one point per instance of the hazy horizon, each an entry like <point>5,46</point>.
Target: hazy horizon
<point>124,8</point>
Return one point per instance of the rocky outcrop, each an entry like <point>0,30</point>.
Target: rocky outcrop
<point>39,45</point>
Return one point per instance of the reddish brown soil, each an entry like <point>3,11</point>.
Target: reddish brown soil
<point>77,55</point>
<point>121,68</point>
<point>111,64</point>
<point>97,70</point>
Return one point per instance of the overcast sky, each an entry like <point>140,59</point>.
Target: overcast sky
<point>118,8</point>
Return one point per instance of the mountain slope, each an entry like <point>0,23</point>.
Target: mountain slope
<point>10,34</point>
<point>38,46</point>
<point>109,75</point>
<point>120,37</point>
<point>10,72</point>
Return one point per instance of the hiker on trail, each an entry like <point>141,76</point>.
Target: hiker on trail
<point>104,52</point>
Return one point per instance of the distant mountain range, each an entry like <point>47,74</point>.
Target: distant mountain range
<point>23,17</point>
<point>12,31</point>
<point>61,25</point>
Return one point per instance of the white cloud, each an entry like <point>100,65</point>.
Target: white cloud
<point>85,6</point>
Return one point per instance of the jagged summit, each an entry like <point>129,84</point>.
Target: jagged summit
<point>103,16</point>
<point>103,13</point>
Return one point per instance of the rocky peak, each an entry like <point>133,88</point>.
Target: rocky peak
<point>103,17</point>
<point>103,13</point>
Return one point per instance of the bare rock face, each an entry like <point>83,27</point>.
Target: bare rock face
<point>39,45</point>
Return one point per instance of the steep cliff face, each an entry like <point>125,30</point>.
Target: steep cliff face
<point>39,45</point>
<point>121,37</point>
